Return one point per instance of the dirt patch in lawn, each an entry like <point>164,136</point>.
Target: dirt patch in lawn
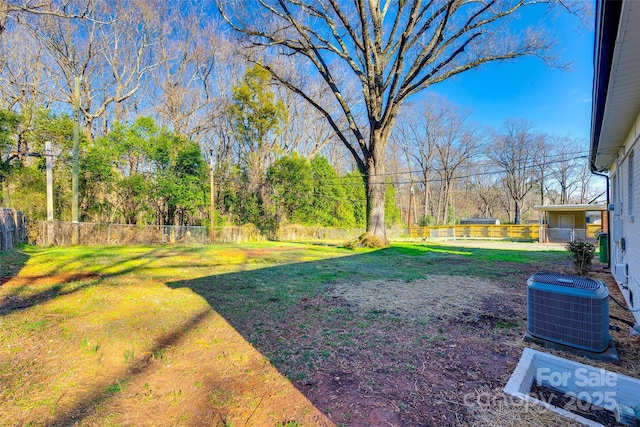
<point>432,296</point>
<point>384,369</point>
<point>432,351</point>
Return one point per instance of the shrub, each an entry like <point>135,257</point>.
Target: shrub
<point>366,240</point>
<point>582,254</point>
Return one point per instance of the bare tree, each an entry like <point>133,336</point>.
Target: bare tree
<point>514,151</point>
<point>485,190</point>
<point>392,49</point>
<point>192,57</point>
<point>109,52</point>
<point>415,136</point>
<point>60,9</point>
<point>454,144</point>
<point>588,193</point>
<point>569,158</point>
<point>305,130</point>
<point>127,44</point>
<point>22,82</point>
<point>440,142</point>
<point>543,166</point>
<point>24,88</point>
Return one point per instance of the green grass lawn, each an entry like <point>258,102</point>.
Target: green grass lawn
<point>95,334</point>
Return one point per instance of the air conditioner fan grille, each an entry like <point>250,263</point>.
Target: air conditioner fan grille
<point>568,281</point>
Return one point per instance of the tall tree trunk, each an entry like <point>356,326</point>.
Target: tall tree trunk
<point>427,189</point>
<point>376,184</point>
<point>516,219</point>
<point>446,200</point>
<point>438,208</point>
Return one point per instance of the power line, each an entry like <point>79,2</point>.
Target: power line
<point>420,173</point>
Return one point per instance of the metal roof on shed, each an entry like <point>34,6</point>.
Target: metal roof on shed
<point>570,208</point>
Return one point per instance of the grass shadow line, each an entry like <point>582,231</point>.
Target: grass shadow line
<point>86,406</point>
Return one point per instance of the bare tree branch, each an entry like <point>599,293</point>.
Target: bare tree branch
<point>394,49</point>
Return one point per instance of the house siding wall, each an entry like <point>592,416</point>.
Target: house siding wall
<point>578,219</point>
<point>625,264</point>
<point>633,236</point>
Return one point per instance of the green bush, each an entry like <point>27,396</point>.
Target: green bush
<point>582,254</point>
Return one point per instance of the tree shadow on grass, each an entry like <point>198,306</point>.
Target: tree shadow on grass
<point>244,296</point>
<point>241,296</point>
<point>26,291</point>
<point>286,312</point>
<point>11,262</point>
<point>29,290</point>
<point>274,307</point>
<point>96,396</point>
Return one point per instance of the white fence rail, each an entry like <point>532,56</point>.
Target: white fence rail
<point>563,234</point>
<point>439,234</point>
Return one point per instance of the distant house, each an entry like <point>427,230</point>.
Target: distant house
<point>479,221</point>
<point>615,130</point>
<point>567,223</point>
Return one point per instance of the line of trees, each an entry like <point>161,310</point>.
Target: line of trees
<point>167,91</point>
<point>455,165</point>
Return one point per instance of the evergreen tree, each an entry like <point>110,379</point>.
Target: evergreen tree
<point>392,214</point>
<point>97,179</point>
<point>22,166</point>
<point>257,118</point>
<point>291,179</point>
<point>329,206</point>
<point>356,197</point>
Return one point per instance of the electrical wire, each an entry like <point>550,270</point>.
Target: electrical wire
<point>633,310</point>
<point>416,172</point>
<point>626,322</point>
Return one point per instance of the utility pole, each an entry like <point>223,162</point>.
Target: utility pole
<point>76,161</point>
<point>212,213</point>
<point>453,211</point>
<point>48,155</point>
<point>409,212</point>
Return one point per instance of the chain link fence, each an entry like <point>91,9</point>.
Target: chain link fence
<point>293,233</point>
<point>59,233</point>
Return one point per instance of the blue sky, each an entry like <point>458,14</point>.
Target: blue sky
<point>557,101</point>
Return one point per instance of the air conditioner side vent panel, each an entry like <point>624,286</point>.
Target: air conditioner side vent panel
<point>569,310</point>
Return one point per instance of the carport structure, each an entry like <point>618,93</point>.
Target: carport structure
<point>568,223</point>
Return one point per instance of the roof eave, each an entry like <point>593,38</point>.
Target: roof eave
<point>607,21</point>
<point>570,208</point>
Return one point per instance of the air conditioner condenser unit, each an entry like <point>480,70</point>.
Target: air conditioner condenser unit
<point>569,310</point>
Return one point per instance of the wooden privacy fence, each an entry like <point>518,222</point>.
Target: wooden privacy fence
<point>13,228</point>
<point>510,232</point>
<point>504,232</point>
